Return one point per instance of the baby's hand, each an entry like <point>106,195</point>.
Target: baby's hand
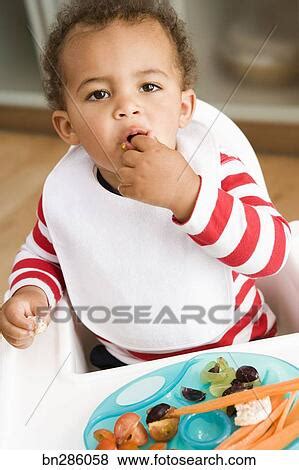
<point>158,175</point>
<point>16,325</point>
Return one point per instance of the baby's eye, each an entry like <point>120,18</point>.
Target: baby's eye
<point>96,95</point>
<point>151,85</point>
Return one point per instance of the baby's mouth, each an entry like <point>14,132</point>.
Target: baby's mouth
<point>127,143</point>
<point>130,137</point>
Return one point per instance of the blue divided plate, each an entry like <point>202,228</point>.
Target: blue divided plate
<point>204,431</point>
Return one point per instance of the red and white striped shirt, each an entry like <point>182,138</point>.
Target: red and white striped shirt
<point>244,231</point>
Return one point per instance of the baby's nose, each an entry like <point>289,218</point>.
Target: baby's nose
<point>127,109</point>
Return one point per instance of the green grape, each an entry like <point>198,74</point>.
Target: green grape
<point>230,375</point>
<point>225,375</point>
<point>256,383</point>
<point>205,375</point>
<point>217,389</point>
<point>223,364</point>
<point>221,377</point>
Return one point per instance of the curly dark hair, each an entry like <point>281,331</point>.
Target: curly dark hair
<point>100,13</point>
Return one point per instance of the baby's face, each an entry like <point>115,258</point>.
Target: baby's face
<point>121,77</point>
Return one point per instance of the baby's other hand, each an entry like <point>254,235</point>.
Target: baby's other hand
<point>15,326</point>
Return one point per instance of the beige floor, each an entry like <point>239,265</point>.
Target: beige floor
<point>26,160</point>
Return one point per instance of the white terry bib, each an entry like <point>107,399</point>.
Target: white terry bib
<point>121,255</point>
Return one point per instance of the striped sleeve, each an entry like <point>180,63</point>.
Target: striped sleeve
<point>36,264</point>
<point>238,224</point>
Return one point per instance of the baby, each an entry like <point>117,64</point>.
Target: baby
<point>132,223</point>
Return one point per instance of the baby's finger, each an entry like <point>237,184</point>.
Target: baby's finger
<point>152,136</point>
<point>20,344</point>
<point>16,316</point>
<point>15,332</point>
<point>142,142</point>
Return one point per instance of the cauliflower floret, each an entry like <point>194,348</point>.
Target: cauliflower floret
<point>40,325</point>
<point>253,412</point>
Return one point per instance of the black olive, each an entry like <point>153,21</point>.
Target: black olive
<point>235,382</point>
<point>215,369</point>
<point>228,391</point>
<point>237,387</point>
<point>231,411</point>
<point>157,412</point>
<point>247,374</point>
<point>193,395</point>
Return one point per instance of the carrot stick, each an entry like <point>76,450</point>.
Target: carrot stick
<point>275,401</point>
<point>284,415</point>
<point>265,436</point>
<point>281,422</point>
<point>237,398</point>
<point>280,439</point>
<point>260,429</point>
<point>243,431</point>
<point>236,436</point>
<point>293,414</point>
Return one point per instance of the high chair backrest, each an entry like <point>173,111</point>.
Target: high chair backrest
<point>230,138</point>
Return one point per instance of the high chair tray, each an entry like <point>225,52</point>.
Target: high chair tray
<point>202,431</point>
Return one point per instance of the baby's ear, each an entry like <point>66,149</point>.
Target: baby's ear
<point>63,127</point>
<point>188,106</point>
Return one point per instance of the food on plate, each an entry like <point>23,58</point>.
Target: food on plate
<point>271,433</point>
<point>285,413</point>
<point>281,439</point>
<point>106,444</point>
<point>226,380</point>
<point>247,374</point>
<point>235,386</point>
<point>106,439</point>
<point>128,434</point>
<point>128,428</point>
<point>259,429</point>
<point>217,372</point>
<point>157,412</point>
<point>101,434</point>
<point>253,412</point>
<point>158,446</point>
<point>236,398</point>
<point>161,428</point>
<point>265,416</point>
<point>293,414</point>
<point>192,394</point>
<point>128,446</point>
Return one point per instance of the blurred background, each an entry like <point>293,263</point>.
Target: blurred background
<point>248,67</point>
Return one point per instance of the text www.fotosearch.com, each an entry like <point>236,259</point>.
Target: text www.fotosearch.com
<point>164,459</point>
